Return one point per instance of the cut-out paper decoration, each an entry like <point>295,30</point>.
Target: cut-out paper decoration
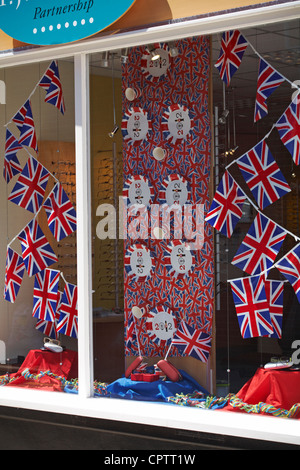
<point>268,80</point>
<point>138,262</point>
<point>138,191</point>
<point>176,123</point>
<point>68,310</point>
<point>11,162</point>
<point>174,190</point>
<point>45,295</point>
<point>36,250</point>
<point>25,123</point>
<point>191,341</point>
<point>227,206</point>
<point>288,127</point>
<point>260,246</point>
<point>262,175</point>
<point>154,70</point>
<point>52,85</point>
<point>274,291</point>
<point>289,266</point>
<point>161,325</point>
<point>179,260</point>
<point>60,213</point>
<point>136,126</point>
<point>233,46</point>
<point>14,272</point>
<point>30,187</point>
<point>252,306</point>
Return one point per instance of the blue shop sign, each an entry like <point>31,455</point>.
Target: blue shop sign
<point>46,22</point>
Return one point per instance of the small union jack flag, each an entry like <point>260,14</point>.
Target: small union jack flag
<point>68,320</point>
<point>289,266</point>
<point>36,250</point>
<point>49,328</point>
<point>45,294</point>
<point>30,187</point>
<point>260,246</point>
<point>14,272</point>
<point>274,291</point>
<point>192,342</point>
<point>262,175</point>
<point>267,82</point>
<point>60,212</point>
<point>227,205</point>
<point>52,84</point>
<point>11,162</point>
<point>25,123</point>
<point>288,127</point>
<point>233,46</point>
<point>252,306</point>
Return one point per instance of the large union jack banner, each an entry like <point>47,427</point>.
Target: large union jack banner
<point>52,84</point>
<point>252,306</point>
<point>60,212</point>
<point>227,205</point>
<point>14,272</point>
<point>30,187</point>
<point>191,341</point>
<point>260,246</point>
<point>68,320</point>
<point>274,291</point>
<point>267,82</point>
<point>36,250</point>
<point>45,294</point>
<point>289,266</point>
<point>11,162</point>
<point>25,123</point>
<point>288,127</point>
<point>262,175</point>
<point>233,46</point>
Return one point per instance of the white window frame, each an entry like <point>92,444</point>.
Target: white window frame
<point>84,404</point>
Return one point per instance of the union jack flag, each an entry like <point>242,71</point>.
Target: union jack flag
<point>274,292</point>
<point>289,266</point>
<point>36,250</point>
<point>260,246</point>
<point>25,123</point>
<point>263,175</point>
<point>49,328</point>
<point>233,46</point>
<point>192,342</point>
<point>45,294</point>
<point>226,207</point>
<point>68,320</point>
<point>52,84</point>
<point>288,127</point>
<point>30,187</point>
<point>252,306</point>
<point>11,162</point>
<point>14,272</point>
<point>60,212</point>
<point>268,80</point>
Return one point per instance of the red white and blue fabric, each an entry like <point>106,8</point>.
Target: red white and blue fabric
<point>30,187</point>
<point>36,250</point>
<point>274,291</point>
<point>45,294</point>
<point>268,80</point>
<point>25,123</point>
<point>191,341</point>
<point>252,306</point>
<point>68,319</point>
<point>227,206</point>
<point>11,162</point>
<point>262,175</point>
<point>288,127</point>
<point>14,272</point>
<point>233,46</point>
<point>289,266</point>
<point>52,84</point>
<point>260,246</point>
<point>60,213</point>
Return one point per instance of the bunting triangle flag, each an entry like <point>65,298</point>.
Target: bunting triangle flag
<point>52,84</point>
<point>14,272</point>
<point>274,292</point>
<point>289,266</point>
<point>45,294</point>
<point>233,46</point>
<point>25,123</point>
<point>268,80</point>
<point>49,328</point>
<point>60,212</point>
<point>68,320</point>
<point>12,165</point>
<point>288,127</point>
